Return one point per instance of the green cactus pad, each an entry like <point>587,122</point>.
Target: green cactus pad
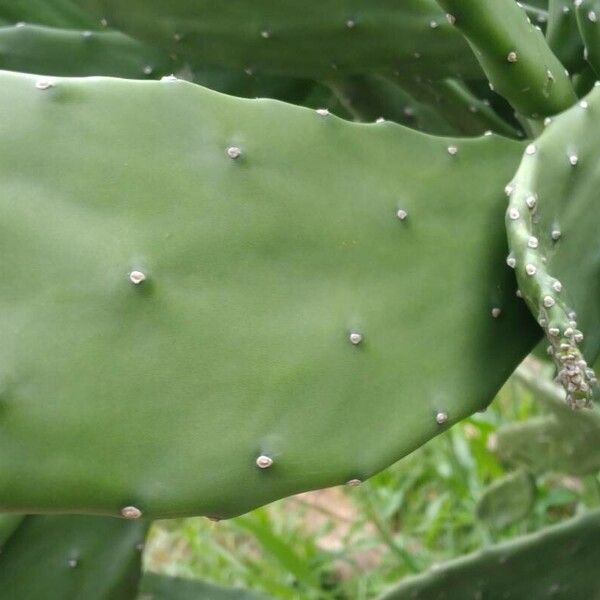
<point>162,587</point>
<point>563,36</point>
<point>36,49</point>
<point>508,500</point>
<point>513,54</point>
<point>558,562</point>
<point>288,38</point>
<point>287,313</point>
<point>588,19</point>
<point>552,222</point>
<point>371,97</point>
<point>72,558</point>
<point>53,13</point>
<point>8,524</point>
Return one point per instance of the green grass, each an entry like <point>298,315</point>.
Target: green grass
<point>351,543</point>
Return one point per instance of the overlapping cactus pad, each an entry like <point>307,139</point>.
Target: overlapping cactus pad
<point>552,223</point>
<point>289,37</point>
<point>76,557</point>
<point>557,562</point>
<point>54,51</point>
<point>209,303</point>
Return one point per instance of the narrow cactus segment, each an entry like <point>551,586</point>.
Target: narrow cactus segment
<point>60,557</point>
<point>588,19</point>
<point>507,501</point>
<point>288,37</point>
<point>274,245</point>
<point>513,54</point>
<point>69,52</point>
<point>162,587</point>
<point>52,13</point>
<point>451,98</point>
<point>563,35</point>
<point>558,562</point>
<point>552,222</point>
<point>443,107</point>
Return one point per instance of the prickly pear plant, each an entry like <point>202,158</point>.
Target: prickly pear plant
<point>77,557</point>
<point>278,280</point>
<point>551,227</point>
<point>539,565</point>
<point>210,302</point>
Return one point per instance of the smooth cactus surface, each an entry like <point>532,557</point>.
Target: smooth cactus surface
<point>69,52</point>
<point>507,500</point>
<point>588,19</point>
<point>451,98</point>
<point>287,37</point>
<point>267,300</point>
<point>8,524</point>
<point>514,55</point>
<point>53,13</point>
<point>72,557</point>
<point>559,562</point>
<point>552,222</point>
<point>162,587</point>
<point>563,35</point>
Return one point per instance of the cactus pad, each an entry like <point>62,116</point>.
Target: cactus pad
<point>552,222</point>
<point>513,54</point>
<point>69,52</point>
<point>286,38</point>
<point>71,557</point>
<point>558,562</point>
<point>266,300</point>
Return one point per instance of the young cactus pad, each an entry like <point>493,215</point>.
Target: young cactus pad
<point>558,562</point>
<point>287,37</point>
<point>267,299</point>
<point>58,557</point>
<point>552,222</point>
<point>514,54</point>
